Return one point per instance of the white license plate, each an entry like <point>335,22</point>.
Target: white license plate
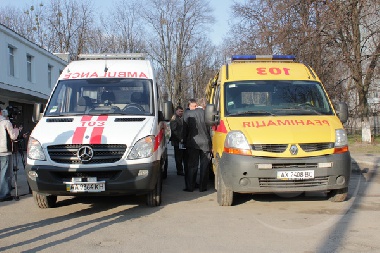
<point>86,186</point>
<point>295,175</point>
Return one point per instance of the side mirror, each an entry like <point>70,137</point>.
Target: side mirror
<point>37,112</point>
<point>210,115</point>
<point>342,111</point>
<point>168,110</point>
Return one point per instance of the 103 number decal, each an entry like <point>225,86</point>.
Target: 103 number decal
<point>273,71</point>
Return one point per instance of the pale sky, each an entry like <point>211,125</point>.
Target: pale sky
<point>221,13</point>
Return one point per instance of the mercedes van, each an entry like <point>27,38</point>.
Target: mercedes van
<point>102,132</point>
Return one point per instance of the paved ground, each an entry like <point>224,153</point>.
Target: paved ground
<point>193,222</point>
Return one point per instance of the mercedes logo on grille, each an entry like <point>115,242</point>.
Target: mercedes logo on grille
<point>85,153</point>
<point>293,149</point>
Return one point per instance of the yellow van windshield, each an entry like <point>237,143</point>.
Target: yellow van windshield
<point>275,97</point>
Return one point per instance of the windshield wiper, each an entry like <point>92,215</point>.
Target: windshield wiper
<point>251,113</point>
<point>303,108</point>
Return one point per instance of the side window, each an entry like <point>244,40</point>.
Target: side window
<point>217,98</point>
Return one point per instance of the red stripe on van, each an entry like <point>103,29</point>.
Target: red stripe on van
<point>78,135</point>
<point>96,135</point>
<point>220,128</point>
<point>97,132</point>
<point>102,118</point>
<point>158,139</point>
<point>86,118</point>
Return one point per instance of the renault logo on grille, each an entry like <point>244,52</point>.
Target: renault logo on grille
<point>85,153</point>
<point>293,149</point>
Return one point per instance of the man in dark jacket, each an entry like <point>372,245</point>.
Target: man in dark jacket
<point>197,140</point>
<point>176,128</point>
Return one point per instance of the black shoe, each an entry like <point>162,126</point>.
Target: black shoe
<point>202,190</point>
<point>7,198</point>
<point>187,190</point>
<point>180,173</point>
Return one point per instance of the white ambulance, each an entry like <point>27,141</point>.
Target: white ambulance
<point>101,133</point>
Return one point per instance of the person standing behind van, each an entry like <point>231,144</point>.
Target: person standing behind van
<point>197,139</point>
<point>176,128</point>
<point>7,133</point>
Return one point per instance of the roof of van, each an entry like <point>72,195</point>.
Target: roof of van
<point>267,70</point>
<point>106,68</point>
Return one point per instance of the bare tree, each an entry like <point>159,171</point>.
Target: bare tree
<point>203,65</point>
<point>122,29</point>
<point>331,36</point>
<point>27,21</point>
<point>69,24</point>
<point>177,25</point>
<point>355,30</point>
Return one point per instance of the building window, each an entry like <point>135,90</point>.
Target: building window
<point>29,60</point>
<point>11,51</point>
<point>50,69</point>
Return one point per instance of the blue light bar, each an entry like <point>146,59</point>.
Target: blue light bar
<point>263,57</point>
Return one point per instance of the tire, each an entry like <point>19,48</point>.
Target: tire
<point>153,198</point>
<point>44,201</point>
<point>225,195</point>
<point>338,195</point>
<point>165,170</point>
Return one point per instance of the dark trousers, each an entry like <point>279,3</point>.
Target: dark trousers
<point>197,157</point>
<point>178,156</point>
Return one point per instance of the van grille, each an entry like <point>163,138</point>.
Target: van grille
<point>294,166</point>
<point>310,147</point>
<point>277,183</point>
<point>102,153</point>
<point>280,148</point>
<point>274,148</point>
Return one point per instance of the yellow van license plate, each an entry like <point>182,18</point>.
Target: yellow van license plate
<point>86,187</point>
<point>295,175</point>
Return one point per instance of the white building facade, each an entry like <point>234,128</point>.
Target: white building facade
<point>27,75</point>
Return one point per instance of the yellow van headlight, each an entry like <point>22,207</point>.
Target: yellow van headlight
<point>236,144</point>
<point>341,141</point>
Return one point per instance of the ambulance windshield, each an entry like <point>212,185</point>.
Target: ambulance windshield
<point>119,96</point>
<point>260,98</point>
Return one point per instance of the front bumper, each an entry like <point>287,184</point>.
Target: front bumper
<point>119,180</point>
<point>241,173</point>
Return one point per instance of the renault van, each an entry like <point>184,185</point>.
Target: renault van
<point>275,130</point>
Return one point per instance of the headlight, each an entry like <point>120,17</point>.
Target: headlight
<point>34,150</point>
<point>237,144</point>
<point>340,138</point>
<point>341,141</point>
<point>143,148</point>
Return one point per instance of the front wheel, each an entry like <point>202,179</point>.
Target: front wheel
<point>44,201</point>
<point>338,195</point>
<point>153,198</point>
<point>225,195</point>
<point>165,169</point>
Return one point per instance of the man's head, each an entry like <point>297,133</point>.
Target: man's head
<point>179,111</point>
<point>192,104</point>
<point>202,103</point>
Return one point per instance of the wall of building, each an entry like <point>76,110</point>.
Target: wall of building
<point>17,93</point>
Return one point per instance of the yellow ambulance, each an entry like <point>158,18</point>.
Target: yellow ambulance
<point>275,130</point>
